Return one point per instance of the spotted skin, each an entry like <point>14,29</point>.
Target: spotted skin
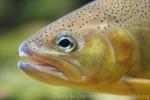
<point>97,12</point>
<point>113,43</point>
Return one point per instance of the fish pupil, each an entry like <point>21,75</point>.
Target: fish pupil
<point>64,43</point>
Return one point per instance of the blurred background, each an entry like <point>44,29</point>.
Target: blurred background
<point>18,20</point>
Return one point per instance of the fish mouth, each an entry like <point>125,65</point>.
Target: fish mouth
<point>36,65</point>
<point>39,66</point>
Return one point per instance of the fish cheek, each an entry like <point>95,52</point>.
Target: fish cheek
<point>93,57</point>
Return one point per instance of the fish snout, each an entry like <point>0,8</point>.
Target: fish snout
<point>24,50</point>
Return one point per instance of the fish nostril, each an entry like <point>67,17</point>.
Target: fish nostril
<point>24,50</point>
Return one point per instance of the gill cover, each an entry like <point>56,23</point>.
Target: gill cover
<point>108,56</point>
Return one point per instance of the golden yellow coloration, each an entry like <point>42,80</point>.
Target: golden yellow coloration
<point>101,47</point>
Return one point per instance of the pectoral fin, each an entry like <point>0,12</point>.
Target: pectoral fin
<point>138,85</point>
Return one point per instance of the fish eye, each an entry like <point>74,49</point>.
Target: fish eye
<point>65,43</point>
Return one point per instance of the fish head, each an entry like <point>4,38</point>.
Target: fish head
<point>74,55</point>
<point>77,51</point>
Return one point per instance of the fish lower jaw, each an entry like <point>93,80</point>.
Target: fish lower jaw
<point>42,68</point>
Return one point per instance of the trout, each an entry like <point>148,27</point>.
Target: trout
<point>102,47</point>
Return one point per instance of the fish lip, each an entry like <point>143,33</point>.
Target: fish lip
<point>24,50</point>
<point>42,68</point>
<point>37,65</point>
<point>29,60</point>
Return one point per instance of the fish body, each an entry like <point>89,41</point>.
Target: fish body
<point>101,47</point>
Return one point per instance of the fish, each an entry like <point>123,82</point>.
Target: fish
<point>102,47</point>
